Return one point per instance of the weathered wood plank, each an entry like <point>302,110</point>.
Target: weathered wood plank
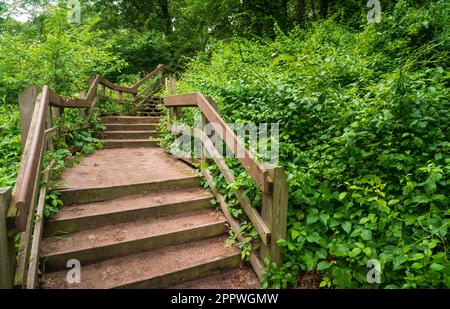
<point>20,274</point>
<point>261,226</point>
<point>160,68</point>
<point>274,213</point>
<point>186,100</point>
<point>255,261</point>
<point>75,103</point>
<point>49,126</point>
<point>6,276</point>
<point>27,101</point>
<point>248,161</point>
<point>37,232</point>
<point>113,86</point>
<point>53,98</point>
<point>26,179</point>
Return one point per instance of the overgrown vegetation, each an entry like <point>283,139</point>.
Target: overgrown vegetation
<point>364,116</point>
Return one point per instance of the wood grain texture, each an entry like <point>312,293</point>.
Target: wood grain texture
<point>5,248</point>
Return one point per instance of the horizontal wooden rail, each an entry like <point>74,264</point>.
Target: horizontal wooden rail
<point>255,260</point>
<point>252,213</point>
<point>29,167</point>
<point>38,133</point>
<point>271,223</point>
<point>248,161</point>
<point>160,68</point>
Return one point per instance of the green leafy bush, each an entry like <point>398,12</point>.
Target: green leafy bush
<point>364,119</point>
<point>10,143</point>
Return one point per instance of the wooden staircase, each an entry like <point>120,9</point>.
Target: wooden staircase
<point>130,131</point>
<point>134,216</point>
<point>137,218</point>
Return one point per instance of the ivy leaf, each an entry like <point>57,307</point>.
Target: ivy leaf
<point>295,234</point>
<point>435,266</point>
<point>312,218</point>
<point>366,234</point>
<point>420,199</point>
<point>382,204</point>
<point>429,186</point>
<point>310,260</point>
<point>367,251</point>
<point>347,226</point>
<point>313,237</point>
<point>410,220</point>
<point>354,252</point>
<point>439,198</point>
<point>323,217</point>
<point>321,253</point>
<point>323,266</point>
<point>339,250</point>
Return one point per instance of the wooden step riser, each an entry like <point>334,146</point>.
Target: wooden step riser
<point>129,135</point>
<point>89,195</point>
<point>61,227</point>
<point>131,120</point>
<point>127,144</point>
<point>185,275</point>
<point>128,127</point>
<point>97,254</point>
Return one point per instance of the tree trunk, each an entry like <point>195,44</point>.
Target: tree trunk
<point>301,11</point>
<point>324,8</point>
<point>165,15</point>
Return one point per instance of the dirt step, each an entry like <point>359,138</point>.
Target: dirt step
<point>154,269</point>
<point>128,208</point>
<point>97,194</point>
<point>130,119</point>
<point>241,278</point>
<point>129,134</point>
<point>130,143</point>
<point>130,127</point>
<point>131,237</point>
<point>113,173</point>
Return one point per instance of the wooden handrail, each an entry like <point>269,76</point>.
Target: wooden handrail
<point>160,68</point>
<point>26,194</point>
<point>248,161</point>
<point>27,178</point>
<point>272,180</point>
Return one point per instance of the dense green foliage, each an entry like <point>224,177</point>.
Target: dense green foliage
<point>10,145</point>
<point>53,52</point>
<point>365,126</point>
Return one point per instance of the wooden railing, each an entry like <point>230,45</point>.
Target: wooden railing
<point>272,180</point>
<point>22,211</point>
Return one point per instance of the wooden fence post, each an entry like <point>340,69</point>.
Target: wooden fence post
<point>119,96</point>
<point>27,100</point>
<point>274,213</point>
<point>7,254</point>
